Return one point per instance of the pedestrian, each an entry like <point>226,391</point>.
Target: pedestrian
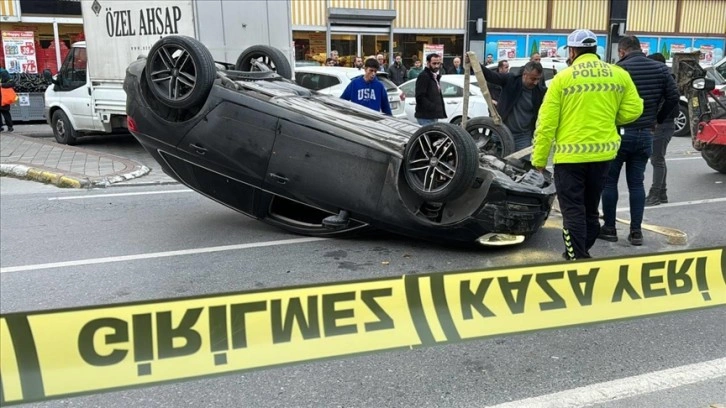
<point>489,60</point>
<point>416,69</point>
<point>329,62</point>
<point>457,69</point>
<point>661,138</point>
<point>334,58</point>
<point>655,85</point>
<point>358,62</point>
<point>6,83</point>
<point>495,90</point>
<point>382,66</point>
<point>367,90</point>
<point>519,100</point>
<point>429,100</point>
<point>535,57</point>
<point>579,114</point>
<point>397,71</point>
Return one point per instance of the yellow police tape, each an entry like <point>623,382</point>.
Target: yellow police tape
<point>61,353</point>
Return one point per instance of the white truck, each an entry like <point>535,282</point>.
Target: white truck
<point>87,94</point>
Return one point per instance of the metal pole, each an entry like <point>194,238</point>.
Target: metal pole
<point>57,44</point>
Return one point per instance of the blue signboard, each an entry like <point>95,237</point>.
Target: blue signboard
<point>712,49</point>
<point>507,46</point>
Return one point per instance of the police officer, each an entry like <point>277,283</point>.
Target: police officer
<point>584,104</point>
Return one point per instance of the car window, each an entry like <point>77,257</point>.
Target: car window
<point>451,91</point>
<point>390,86</point>
<point>409,89</point>
<point>315,81</point>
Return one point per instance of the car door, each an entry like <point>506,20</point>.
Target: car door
<point>409,103</point>
<point>312,164</point>
<point>74,90</point>
<point>453,100</point>
<point>235,140</point>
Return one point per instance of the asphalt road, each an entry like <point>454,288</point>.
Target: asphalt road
<point>45,225</point>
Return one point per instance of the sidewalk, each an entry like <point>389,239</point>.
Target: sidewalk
<point>65,166</point>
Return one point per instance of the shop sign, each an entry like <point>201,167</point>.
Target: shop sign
<point>506,50</point>
<point>645,47</point>
<point>707,53</point>
<point>19,47</point>
<point>548,49</point>
<point>433,49</point>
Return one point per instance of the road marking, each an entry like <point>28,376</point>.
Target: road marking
<point>81,197</point>
<point>626,387</point>
<point>124,258</point>
<point>685,158</point>
<point>679,204</point>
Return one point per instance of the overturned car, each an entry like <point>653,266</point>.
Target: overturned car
<point>248,137</point>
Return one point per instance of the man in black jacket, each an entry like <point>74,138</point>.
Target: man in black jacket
<point>429,101</point>
<point>397,71</point>
<point>661,138</point>
<point>519,101</point>
<point>660,96</point>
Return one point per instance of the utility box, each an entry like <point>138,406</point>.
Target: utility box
<point>29,107</point>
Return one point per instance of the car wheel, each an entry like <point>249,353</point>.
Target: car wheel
<point>180,71</point>
<point>62,128</point>
<point>681,127</point>
<point>272,58</point>
<point>440,162</point>
<point>456,121</point>
<point>490,138</point>
<point>715,156</point>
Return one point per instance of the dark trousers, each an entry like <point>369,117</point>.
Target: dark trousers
<point>7,118</point>
<point>661,138</point>
<point>579,187</point>
<point>636,147</point>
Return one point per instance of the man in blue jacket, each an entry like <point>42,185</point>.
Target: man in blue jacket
<point>367,90</point>
<point>660,96</point>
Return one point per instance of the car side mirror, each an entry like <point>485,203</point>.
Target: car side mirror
<point>703,84</point>
<point>48,76</point>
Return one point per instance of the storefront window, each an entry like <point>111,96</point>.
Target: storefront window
<point>410,45</point>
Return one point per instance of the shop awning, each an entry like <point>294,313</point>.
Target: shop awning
<point>364,17</point>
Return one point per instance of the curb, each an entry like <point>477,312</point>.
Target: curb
<point>63,181</point>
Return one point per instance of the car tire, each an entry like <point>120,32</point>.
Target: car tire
<point>269,56</point>
<point>186,85</point>
<point>445,151</point>
<point>681,125</point>
<point>63,129</point>
<point>490,138</point>
<point>715,157</point>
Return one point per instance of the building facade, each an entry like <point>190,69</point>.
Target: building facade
<point>36,34</point>
<point>514,28</point>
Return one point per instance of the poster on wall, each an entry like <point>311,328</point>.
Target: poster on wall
<point>707,53</point>
<point>645,47</point>
<point>433,49</point>
<point>506,50</point>
<point>19,47</point>
<point>677,48</point>
<point>548,49</point>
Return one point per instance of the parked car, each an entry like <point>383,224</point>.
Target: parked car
<point>550,66</point>
<point>315,164</point>
<point>452,88</point>
<point>333,81</point>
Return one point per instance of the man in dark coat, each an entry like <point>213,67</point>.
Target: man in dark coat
<point>429,101</point>
<point>519,101</point>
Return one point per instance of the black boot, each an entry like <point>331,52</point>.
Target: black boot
<point>653,197</point>
<point>663,196</point>
<point>336,221</point>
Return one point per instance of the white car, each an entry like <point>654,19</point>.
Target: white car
<point>551,66</point>
<point>452,89</point>
<point>333,81</point>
